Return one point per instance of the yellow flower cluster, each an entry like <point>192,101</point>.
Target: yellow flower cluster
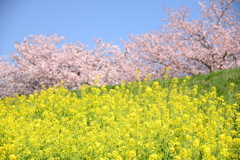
<point>132,121</point>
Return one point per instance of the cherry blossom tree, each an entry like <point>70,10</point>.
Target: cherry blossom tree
<point>39,62</point>
<point>201,46</point>
<point>45,64</point>
<point>8,75</point>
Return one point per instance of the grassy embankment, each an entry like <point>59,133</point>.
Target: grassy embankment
<point>220,80</point>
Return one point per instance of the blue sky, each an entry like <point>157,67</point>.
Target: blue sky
<point>81,20</point>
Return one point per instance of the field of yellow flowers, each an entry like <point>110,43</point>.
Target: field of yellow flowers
<point>132,121</point>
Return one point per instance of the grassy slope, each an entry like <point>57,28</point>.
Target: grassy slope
<point>220,80</point>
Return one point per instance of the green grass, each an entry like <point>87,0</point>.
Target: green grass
<point>220,79</point>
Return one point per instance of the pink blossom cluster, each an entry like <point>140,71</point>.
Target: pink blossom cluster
<point>201,46</point>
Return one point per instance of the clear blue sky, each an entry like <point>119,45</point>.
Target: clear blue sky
<point>81,20</point>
